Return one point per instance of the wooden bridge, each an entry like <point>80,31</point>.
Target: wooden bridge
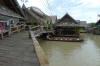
<point>40,30</point>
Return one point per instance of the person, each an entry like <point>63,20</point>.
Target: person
<point>48,36</point>
<point>1,27</point>
<point>29,32</point>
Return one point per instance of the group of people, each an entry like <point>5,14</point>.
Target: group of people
<point>3,27</point>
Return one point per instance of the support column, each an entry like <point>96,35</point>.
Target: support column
<point>1,35</point>
<point>29,29</point>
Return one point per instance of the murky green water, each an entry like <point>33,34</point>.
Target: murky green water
<point>86,53</point>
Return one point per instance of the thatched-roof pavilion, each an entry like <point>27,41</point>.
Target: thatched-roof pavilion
<point>67,26</point>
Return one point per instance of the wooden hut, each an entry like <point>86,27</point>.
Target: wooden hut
<point>96,29</point>
<point>10,15</point>
<point>35,18</point>
<point>83,26</point>
<point>67,26</point>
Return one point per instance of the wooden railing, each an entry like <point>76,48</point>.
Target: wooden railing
<point>75,25</point>
<point>4,33</point>
<point>39,51</point>
<point>38,30</point>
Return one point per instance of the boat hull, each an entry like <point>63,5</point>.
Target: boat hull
<point>65,40</point>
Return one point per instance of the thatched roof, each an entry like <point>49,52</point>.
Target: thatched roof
<point>67,18</point>
<point>27,11</point>
<point>30,15</point>
<point>37,11</point>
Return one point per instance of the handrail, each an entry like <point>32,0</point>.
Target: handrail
<point>39,51</point>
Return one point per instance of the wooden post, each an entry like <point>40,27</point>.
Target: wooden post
<point>9,29</point>
<point>1,35</point>
<point>29,32</point>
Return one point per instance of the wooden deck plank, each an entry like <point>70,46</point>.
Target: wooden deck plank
<point>18,50</point>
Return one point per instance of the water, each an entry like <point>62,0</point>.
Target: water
<point>86,53</point>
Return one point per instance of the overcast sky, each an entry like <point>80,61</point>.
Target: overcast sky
<point>86,10</point>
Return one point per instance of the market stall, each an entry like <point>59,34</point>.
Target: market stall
<point>4,29</point>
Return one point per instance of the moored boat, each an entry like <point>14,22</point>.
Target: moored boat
<point>65,39</point>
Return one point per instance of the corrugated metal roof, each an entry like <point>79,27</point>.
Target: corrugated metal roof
<point>6,11</point>
<point>14,5</point>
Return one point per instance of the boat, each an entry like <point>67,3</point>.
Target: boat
<point>75,36</point>
<point>65,39</point>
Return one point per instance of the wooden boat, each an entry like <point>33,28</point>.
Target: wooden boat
<point>75,36</point>
<point>66,39</point>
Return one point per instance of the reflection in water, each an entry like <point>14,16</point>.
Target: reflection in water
<point>86,53</point>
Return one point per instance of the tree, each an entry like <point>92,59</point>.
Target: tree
<point>33,22</point>
<point>91,24</point>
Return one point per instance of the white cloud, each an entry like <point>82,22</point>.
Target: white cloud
<point>86,9</point>
<point>92,3</point>
<point>84,15</point>
<point>81,11</point>
<point>88,3</point>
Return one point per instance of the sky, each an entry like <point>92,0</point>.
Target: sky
<point>84,10</point>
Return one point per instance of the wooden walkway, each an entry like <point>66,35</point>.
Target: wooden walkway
<point>18,50</point>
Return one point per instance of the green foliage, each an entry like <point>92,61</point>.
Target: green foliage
<point>91,24</point>
<point>48,24</point>
<point>24,23</point>
<point>32,22</point>
<point>51,25</point>
<point>44,18</point>
<point>78,30</point>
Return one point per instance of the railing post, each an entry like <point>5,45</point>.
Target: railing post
<point>29,31</point>
<point>1,35</point>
